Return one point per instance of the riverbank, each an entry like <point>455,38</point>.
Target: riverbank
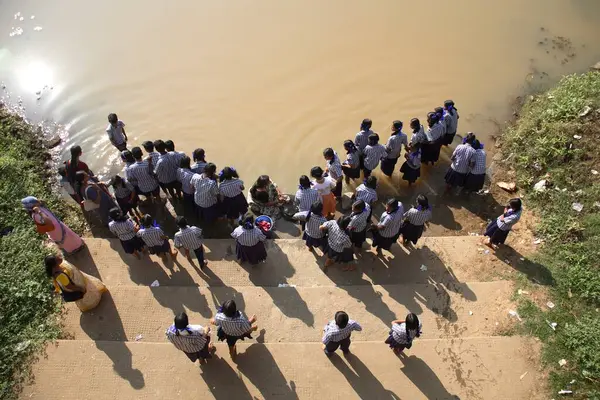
<point>29,308</point>
<point>553,150</point>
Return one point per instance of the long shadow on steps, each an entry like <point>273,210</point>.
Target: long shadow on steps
<point>362,380</point>
<point>223,382</point>
<point>424,378</point>
<point>111,341</point>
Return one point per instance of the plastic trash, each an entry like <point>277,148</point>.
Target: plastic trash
<point>522,258</point>
<point>585,111</point>
<point>139,337</point>
<point>37,28</point>
<point>515,314</point>
<point>550,304</point>
<point>563,392</point>
<point>286,285</point>
<point>537,241</point>
<point>540,186</point>
<point>423,267</point>
<point>552,325</point>
<point>521,291</point>
<point>523,375</point>
<point>470,312</point>
<point>155,284</point>
<point>577,137</point>
<point>594,172</point>
<point>486,252</point>
<point>577,207</point>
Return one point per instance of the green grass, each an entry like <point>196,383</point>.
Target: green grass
<point>28,309</point>
<point>541,145</point>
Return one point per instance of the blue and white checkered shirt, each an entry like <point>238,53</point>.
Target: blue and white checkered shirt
<point>189,340</point>
<point>333,333</point>
<point>335,167</point>
<point>359,222</point>
<point>451,126</point>
<point>419,137</point>
<point>418,217</point>
<point>248,237</point>
<point>139,175</point>
<point>175,157</point>
<point>152,236</point>
<point>510,218</point>
<point>124,230</point>
<point>366,194</point>
<point>402,335</point>
<point>435,132</point>
<point>362,140</point>
<point>305,198</point>
<point>185,177</point>
<point>337,239</point>
<point>391,222</point>
<point>313,226</point>
<point>206,191</point>
<point>478,162</point>
<point>373,154</point>
<point>237,326</point>
<point>395,144</point>
<point>352,160</point>
<point>153,158</point>
<point>462,157</point>
<point>414,160</point>
<point>198,167</point>
<point>124,191</point>
<point>165,169</point>
<point>189,237</point>
<point>231,187</point>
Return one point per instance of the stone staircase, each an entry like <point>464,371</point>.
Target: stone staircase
<point>119,351</point>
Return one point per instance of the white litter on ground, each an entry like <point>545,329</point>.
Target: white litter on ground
<point>577,207</point>
<point>515,314</point>
<point>550,304</point>
<point>423,267</point>
<point>523,376</point>
<point>155,284</point>
<point>286,285</point>
<point>138,338</point>
<point>37,28</point>
<point>577,137</point>
<point>552,325</point>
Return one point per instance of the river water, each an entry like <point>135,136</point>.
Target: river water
<point>265,85</point>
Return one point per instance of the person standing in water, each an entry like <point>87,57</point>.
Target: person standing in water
<point>166,171</point>
<point>334,170</point>
<point>411,169</point>
<point>394,147</point>
<point>476,176</point>
<point>430,152</point>
<point>362,139</point>
<point>184,176</point>
<point>153,155</point>
<point>374,152</point>
<point>141,176</point>
<point>116,132</point>
<point>451,118</point>
<point>199,157</point>
<point>418,133</point>
<point>461,162</point>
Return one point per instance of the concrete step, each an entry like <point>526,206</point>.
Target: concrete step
<point>449,260</point>
<point>471,368</point>
<point>298,314</point>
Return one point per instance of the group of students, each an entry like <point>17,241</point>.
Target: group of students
<point>233,325</point>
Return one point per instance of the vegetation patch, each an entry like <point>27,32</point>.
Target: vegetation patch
<point>28,310</point>
<point>557,139</point>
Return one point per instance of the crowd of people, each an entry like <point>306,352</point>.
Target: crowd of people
<point>219,198</point>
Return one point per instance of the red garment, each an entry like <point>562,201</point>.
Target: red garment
<point>264,225</point>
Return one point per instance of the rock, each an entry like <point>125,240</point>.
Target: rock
<point>595,67</point>
<point>52,142</point>
<point>540,186</point>
<point>508,186</point>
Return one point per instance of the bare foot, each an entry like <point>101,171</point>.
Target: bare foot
<point>174,254</point>
<point>349,268</point>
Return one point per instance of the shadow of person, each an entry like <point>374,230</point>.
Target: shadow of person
<point>268,379</point>
<point>223,381</point>
<point>534,271</point>
<point>109,335</point>
<point>362,380</point>
<point>425,379</point>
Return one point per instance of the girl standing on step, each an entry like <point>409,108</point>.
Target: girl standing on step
<point>193,340</point>
<point>498,230</point>
<point>476,176</point>
<point>233,325</point>
<point>403,333</point>
<point>126,230</point>
<point>334,170</point>
<point>415,219</point>
<point>351,166</point>
<point>374,152</point>
<point>394,147</point>
<point>461,162</point>
<point>324,185</point>
<point>339,245</point>
<point>451,119</point>
<point>155,238</point>
<point>313,235</point>
<point>386,232</point>
<point>358,223</point>
<point>249,242</point>
<point>126,196</point>
<point>231,191</point>
<point>184,176</point>
<point>411,169</point>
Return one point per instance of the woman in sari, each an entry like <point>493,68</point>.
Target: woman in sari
<point>48,223</point>
<point>266,199</point>
<point>73,285</point>
<point>96,197</point>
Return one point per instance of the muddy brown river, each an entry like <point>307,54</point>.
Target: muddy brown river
<point>265,85</point>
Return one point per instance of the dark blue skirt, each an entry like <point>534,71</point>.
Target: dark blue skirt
<point>395,345</point>
<point>382,241</point>
<point>358,238</point>
<point>352,173</point>
<point>313,242</point>
<point>428,152</point>
<point>410,174</point>
<point>235,206</point>
<point>411,232</point>
<point>474,182</point>
<point>496,235</point>
<point>222,336</point>
<point>252,254</point>
<point>163,248</point>
<point>454,178</point>
<point>209,214</point>
<point>126,204</point>
<point>344,257</point>
<point>449,138</point>
<point>388,165</point>
<point>437,148</point>
<point>131,245</point>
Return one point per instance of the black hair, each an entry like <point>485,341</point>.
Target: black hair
<point>127,156</point>
<point>229,308</point>
<point>304,181</point>
<point>50,262</point>
<point>159,145</point>
<point>412,322</point>
<point>262,181</point>
<point>316,172</point>
<point>116,214</point>
<point>373,139</point>
<point>515,204</point>
<point>470,138</point>
<point>116,181</point>
<point>415,146</point>
<point>392,202</point>
<point>137,152</point>
<point>359,204</point>
<point>181,321</point>
<point>169,145</point>
<point>148,146</point>
<point>247,221</point>
<point>210,169</point>
<point>439,110</point>
<point>62,170</point>
<point>315,208</point>
<point>328,152</point>
<point>112,118</point>
<point>476,144</point>
<point>72,166</point>
<point>344,221</point>
<point>366,124</point>
<point>423,201</point>
<point>350,146</point>
<point>432,118</point>
<point>185,162</point>
<point>181,222</point>
<point>341,319</point>
<point>78,183</point>
<point>449,105</point>
<point>228,173</point>
<point>371,182</point>
<point>199,155</point>
<point>397,124</point>
<point>415,125</point>
<point>147,221</point>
